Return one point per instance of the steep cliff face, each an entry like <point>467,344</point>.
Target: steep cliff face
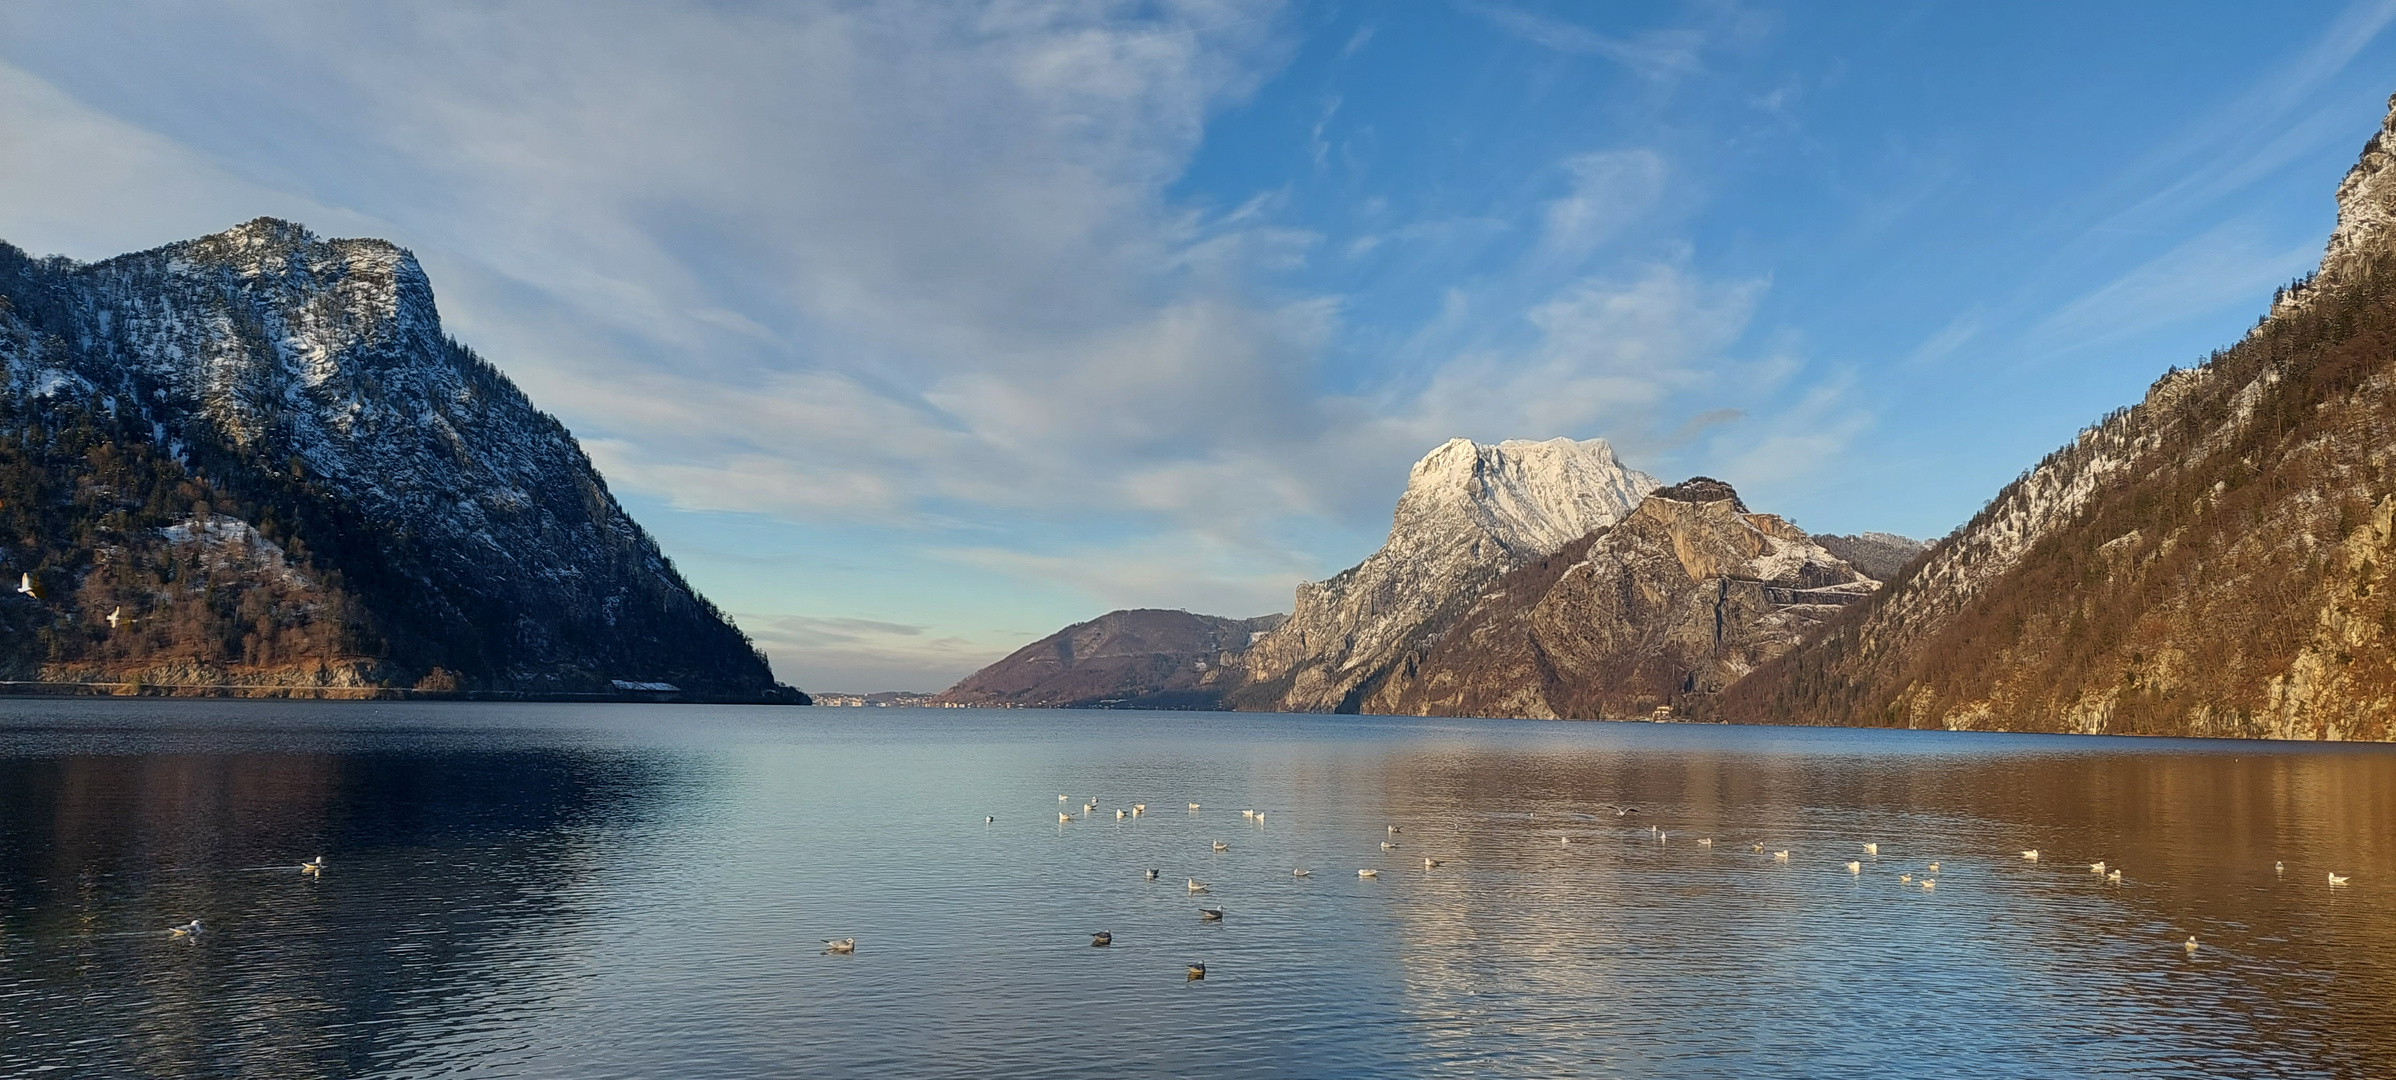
<point>2210,561</point>
<point>302,387</point>
<point>1470,513</point>
<point>1138,659</point>
<point>1681,598</point>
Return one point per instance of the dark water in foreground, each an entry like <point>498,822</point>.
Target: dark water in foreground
<point>574,891</point>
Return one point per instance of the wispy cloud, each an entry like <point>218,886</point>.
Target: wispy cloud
<point>1656,55</point>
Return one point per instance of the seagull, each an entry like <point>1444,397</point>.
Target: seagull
<point>2096,868</point>
<point>1121,814</point>
<point>1905,878</point>
<point>1564,840</point>
<point>25,585</point>
<point>1060,798</point>
<point>1759,848</point>
<point>1260,817</point>
<point>2113,876</point>
<point>1855,868</point>
<point>1247,813</point>
<point>2334,879</point>
<point>1387,846</point>
<point>1088,807</point>
<point>1707,842</point>
<point>1101,940</point>
<point>114,614</point>
<point>1063,817</point>
<point>1197,972</point>
<point>313,866</point>
<point>840,945</point>
<point>2031,854</point>
<point>1934,868</point>
<point>2191,946</point>
<point>186,930</point>
<point>1780,856</point>
<point>1138,809</point>
<point>1930,883</point>
<point>1429,862</point>
<point>1193,806</point>
<point>2279,868</point>
<point>1301,873</point>
<point>1619,811</point>
<point>1394,830</point>
<point>1368,873</point>
<point>988,820</point>
<point>1210,914</point>
<point>1152,875</point>
<point>1221,846</point>
<point>1872,850</point>
<point>1197,885</point>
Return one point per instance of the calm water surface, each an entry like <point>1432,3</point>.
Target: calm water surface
<point>625,891</point>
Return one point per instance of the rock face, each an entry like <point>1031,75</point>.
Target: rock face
<point>1878,554</point>
<point>1470,513</point>
<point>1680,599</point>
<point>264,388</point>
<point>1138,659</point>
<point>2214,560</point>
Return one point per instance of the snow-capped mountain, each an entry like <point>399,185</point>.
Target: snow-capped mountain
<point>1470,512</point>
<point>306,386</point>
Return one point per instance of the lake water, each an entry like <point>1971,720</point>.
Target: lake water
<point>629,891</point>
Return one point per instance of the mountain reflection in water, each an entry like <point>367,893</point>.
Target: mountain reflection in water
<point>642,891</point>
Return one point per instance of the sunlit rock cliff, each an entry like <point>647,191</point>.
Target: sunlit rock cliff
<point>1470,513</point>
<point>261,454</point>
<point>1683,597</point>
<point>2214,560</point>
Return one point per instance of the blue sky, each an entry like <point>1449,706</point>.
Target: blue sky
<point>918,330</point>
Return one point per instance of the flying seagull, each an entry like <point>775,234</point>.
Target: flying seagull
<point>115,615</point>
<point>25,585</point>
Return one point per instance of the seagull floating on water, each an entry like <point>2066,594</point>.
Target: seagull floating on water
<point>1197,885</point>
<point>840,945</point>
<point>1301,873</point>
<point>1197,972</point>
<point>2279,868</point>
<point>1906,879</point>
<point>1063,817</point>
<point>1564,840</point>
<point>2031,854</point>
<point>1121,814</point>
<point>1221,846</point>
<point>313,866</point>
<point>1872,850</point>
<point>1780,856</point>
<point>186,930</point>
<point>1707,842</point>
<point>1429,862</point>
<point>1759,848</point>
<point>1930,883</point>
<point>1394,830</point>
<point>987,819</point>
<point>1210,914</point>
<point>2113,876</point>
<point>1101,940</point>
<point>2334,879</point>
<point>1247,813</point>
<point>2191,946</point>
<point>1368,873</point>
<point>1855,868</point>
<point>2096,868</point>
<point>1152,875</point>
<point>1138,809</point>
<point>1193,806</point>
<point>1934,868</point>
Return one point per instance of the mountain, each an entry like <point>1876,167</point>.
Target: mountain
<point>1470,513</point>
<point>262,453</point>
<point>1143,658</point>
<point>2214,560</point>
<point>1682,597</point>
<point>1878,554</point>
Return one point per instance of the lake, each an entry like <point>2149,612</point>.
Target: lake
<point>643,891</point>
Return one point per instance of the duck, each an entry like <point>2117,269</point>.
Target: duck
<point>1197,972</point>
<point>2334,879</point>
<point>840,945</point>
<point>1368,873</point>
<point>188,929</point>
<point>1210,914</point>
<point>1197,885</point>
<point>1101,939</point>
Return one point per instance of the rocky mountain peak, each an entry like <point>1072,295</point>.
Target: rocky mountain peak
<point>2366,219</point>
<point>1529,498</point>
<point>1701,489</point>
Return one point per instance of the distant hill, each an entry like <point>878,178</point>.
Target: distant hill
<point>2214,560</point>
<point>1143,658</point>
<point>261,455</point>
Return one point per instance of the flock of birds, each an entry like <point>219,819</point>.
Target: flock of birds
<point>1927,880</point>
